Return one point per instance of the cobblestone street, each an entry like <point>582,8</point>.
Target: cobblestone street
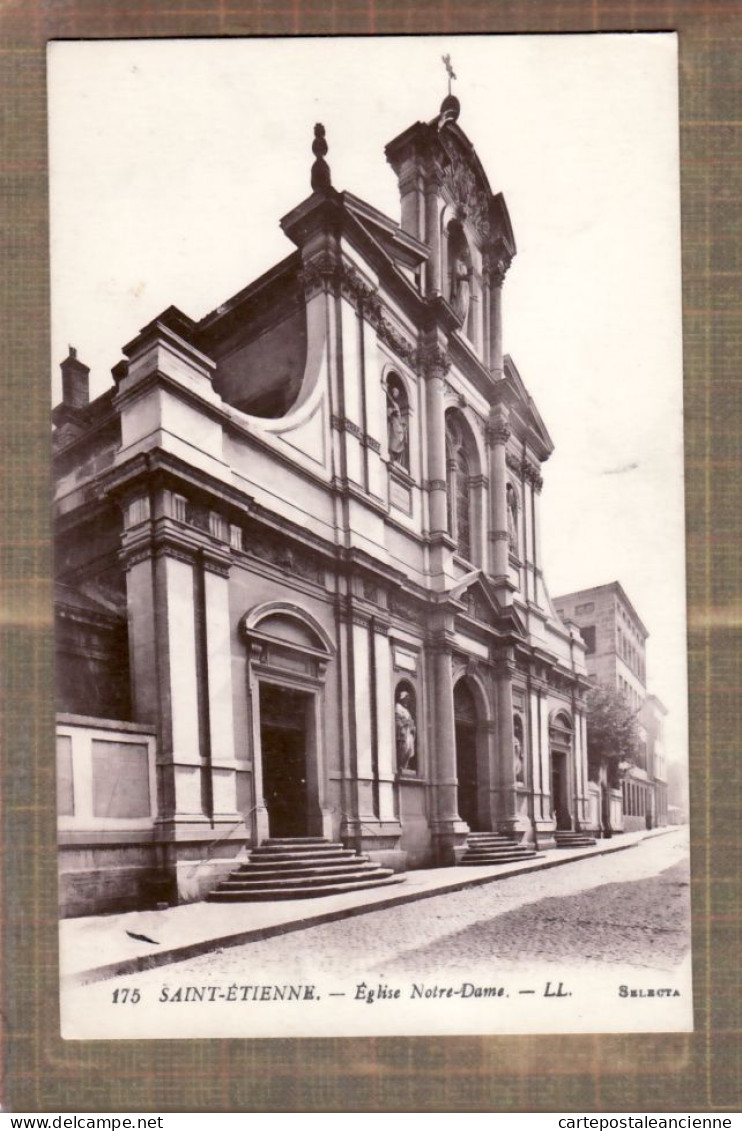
<point>630,908</point>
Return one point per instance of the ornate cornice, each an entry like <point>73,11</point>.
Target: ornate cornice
<point>497,432</point>
<point>433,362</point>
<point>129,557</point>
<point>216,563</point>
<point>504,668</point>
<point>496,264</point>
<point>325,272</point>
<point>441,641</point>
<point>532,474</point>
<point>165,548</point>
<point>391,337</point>
<point>318,273</point>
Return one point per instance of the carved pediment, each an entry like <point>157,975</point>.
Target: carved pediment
<point>475,593</point>
<point>470,192</point>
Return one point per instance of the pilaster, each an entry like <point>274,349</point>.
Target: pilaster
<point>507,799</point>
<point>498,434</point>
<point>448,830</point>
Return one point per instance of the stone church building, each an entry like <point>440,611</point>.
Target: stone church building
<point>300,588</point>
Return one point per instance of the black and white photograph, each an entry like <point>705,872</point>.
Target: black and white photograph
<point>369,536</point>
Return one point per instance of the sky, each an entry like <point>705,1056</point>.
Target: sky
<point>172,162</point>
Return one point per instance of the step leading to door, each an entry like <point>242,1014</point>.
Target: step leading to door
<point>301,868</point>
<point>494,848</point>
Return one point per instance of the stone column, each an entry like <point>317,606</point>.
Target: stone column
<point>449,831</point>
<point>534,729</point>
<point>179,755</point>
<point>486,316</point>
<point>219,688</point>
<point>434,364</point>
<point>508,808</point>
<point>546,756</point>
<point>536,483</point>
<point>432,232</point>
<point>581,771</point>
<point>498,434</point>
<point>363,726</point>
<point>412,200</point>
<point>384,720</point>
<point>495,329</point>
<point>495,268</point>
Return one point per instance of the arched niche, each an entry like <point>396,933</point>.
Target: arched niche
<point>514,513</point>
<point>460,271</point>
<point>405,729</point>
<point>519,748</point>
<point>398,414</point>
<point>464,486</point>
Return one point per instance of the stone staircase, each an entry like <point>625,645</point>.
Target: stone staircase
<point>566,838</point>
<point>495,848</point>
<point>301,868</point>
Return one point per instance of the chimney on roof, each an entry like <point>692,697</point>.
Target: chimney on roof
<point>75,381</point>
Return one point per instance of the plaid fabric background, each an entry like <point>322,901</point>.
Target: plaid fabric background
<point>701,1071</point>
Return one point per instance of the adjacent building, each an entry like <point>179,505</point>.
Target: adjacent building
<point>300,585</point>
<point>615,641</point>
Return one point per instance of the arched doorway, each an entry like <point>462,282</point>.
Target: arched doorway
<point>560,748</point>
<point>285,717</point>
<point>288,656</point>
<point>467,774</point>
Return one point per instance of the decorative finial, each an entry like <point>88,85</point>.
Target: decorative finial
<point>321,180</point>
<point>450,106</point>
<point>449,68</point>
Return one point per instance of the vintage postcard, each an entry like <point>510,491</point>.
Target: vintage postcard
<point>370,595</point>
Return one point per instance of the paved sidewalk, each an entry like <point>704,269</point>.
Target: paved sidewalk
<point>99,946</point>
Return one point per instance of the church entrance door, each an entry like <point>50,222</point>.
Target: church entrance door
<point>559,790</point>
<point>283,740</point>
<point>465,719</point>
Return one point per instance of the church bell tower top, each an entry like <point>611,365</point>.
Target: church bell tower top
<point>450,106</point>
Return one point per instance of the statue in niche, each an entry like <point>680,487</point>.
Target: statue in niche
<point>405,730</point>
<point>461,288</point>
<point>396,422</point>
<point>512,501</point>
<point>518,754</point>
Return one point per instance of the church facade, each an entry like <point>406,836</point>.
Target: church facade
<point>300,585</point>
